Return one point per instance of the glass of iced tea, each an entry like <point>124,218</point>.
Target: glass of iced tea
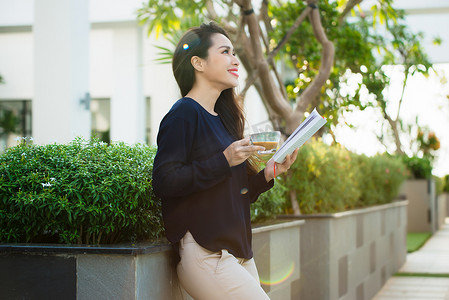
<point>269,140</point>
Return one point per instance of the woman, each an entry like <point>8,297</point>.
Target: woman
<point>203,175</point>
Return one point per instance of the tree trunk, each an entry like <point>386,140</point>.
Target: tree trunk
<point>397,140</point>
<point>294,202</point>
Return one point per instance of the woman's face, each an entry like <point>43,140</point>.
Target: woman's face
<point>221,65</point>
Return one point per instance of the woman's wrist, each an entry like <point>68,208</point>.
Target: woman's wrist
<point>268,175</point>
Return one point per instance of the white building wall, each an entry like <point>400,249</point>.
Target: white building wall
<point>157,82</point>
<point>101,67</point>
<point>16,65</point>
<point>127,102</point>
<point>435,26</point>
<point>429,17</point>
<point>61,57</point>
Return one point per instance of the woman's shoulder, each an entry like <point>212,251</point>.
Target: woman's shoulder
<point>184,108</point>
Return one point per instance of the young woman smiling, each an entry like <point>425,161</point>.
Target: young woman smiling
<point>203,175</point>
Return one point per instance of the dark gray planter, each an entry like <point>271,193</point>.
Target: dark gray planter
<point>87,272</point>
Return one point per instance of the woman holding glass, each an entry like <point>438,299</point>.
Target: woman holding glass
<point>203,174</point>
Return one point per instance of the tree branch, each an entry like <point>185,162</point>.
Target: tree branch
<point>349,6</point>
<point>290,32</point>
<point>244,52</point>
<point>276,100</point>
<point>213,16</point>
<point>327,59</point>
<point>211,9</point>
<point>263,15</point>
<point>402,92</point>
<point>250,80</point>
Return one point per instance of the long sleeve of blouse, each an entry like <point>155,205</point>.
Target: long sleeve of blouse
<point>176,174</point>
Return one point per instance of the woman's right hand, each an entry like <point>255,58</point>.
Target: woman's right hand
<point>239,151</point>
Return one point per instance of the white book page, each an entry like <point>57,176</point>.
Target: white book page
<point>301,134</point>
<point>301,128</point>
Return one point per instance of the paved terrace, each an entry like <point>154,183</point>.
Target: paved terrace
<point>431,259</point>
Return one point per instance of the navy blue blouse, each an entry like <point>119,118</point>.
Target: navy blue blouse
<point>199,191</point>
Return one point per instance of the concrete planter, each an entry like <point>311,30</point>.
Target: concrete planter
<point>277,255</point>
<point>134,272</point>
<point>350,255</point>
<point>442,208</point>
<point>422,208</point>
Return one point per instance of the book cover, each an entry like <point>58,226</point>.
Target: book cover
<point>302,133</point>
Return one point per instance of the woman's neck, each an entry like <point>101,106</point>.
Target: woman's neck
<point>205,97</point>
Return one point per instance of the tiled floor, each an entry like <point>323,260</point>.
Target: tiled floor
<point>432,258</point>
<point>414,288</point>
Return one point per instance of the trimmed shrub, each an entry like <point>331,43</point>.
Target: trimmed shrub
<point>446,184</point>
<point>380,178</point>
<point>82,192</point>
<point>324,178</point>
<point>269,204</point>
<point>439,185</point>
<point>420,168</point>
<point>89,192</point>
<point>330,179</point>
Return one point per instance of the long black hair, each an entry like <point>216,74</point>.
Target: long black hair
<point>196,42</point>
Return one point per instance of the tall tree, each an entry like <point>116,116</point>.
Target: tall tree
<point>304,36</point>
<point>293,33</point>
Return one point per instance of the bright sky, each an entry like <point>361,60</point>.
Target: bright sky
<point>427,98</point>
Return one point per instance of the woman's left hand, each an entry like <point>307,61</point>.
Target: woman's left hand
<point>280,168</point>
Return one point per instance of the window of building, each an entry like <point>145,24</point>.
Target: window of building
<point>101,119</point>
<point>100,109</point>
<point>15,121</point>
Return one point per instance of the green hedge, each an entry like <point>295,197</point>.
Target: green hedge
<point>385,177</point>
<point>446,184</point>
<point>331,179</point>
<point>90,192</point>
<point>439,185</point>
<point>83,192</point>
<point>420,168</point>
<point>270,204</point>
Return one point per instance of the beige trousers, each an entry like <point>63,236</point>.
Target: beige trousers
<point>208,275</point>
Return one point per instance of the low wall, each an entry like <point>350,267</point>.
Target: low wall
<point>443,208</point>
<point>277,255</point>
<point>71,272</point>
<point>142,271</point>
<point>422,214</point>
<point>351,255</point>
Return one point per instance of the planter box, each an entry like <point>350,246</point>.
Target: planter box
<point>277,255</point>
<point>443,208</point>
<point>350,255</point>
<point>71,272</point>
<point>422,208</point>
<point>29,271</point>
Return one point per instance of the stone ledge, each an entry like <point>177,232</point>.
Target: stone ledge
<point>285,224</point>
<point>124,249</point>
<point>373,208</point>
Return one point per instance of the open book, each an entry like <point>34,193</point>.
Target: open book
<point>302,133</point>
